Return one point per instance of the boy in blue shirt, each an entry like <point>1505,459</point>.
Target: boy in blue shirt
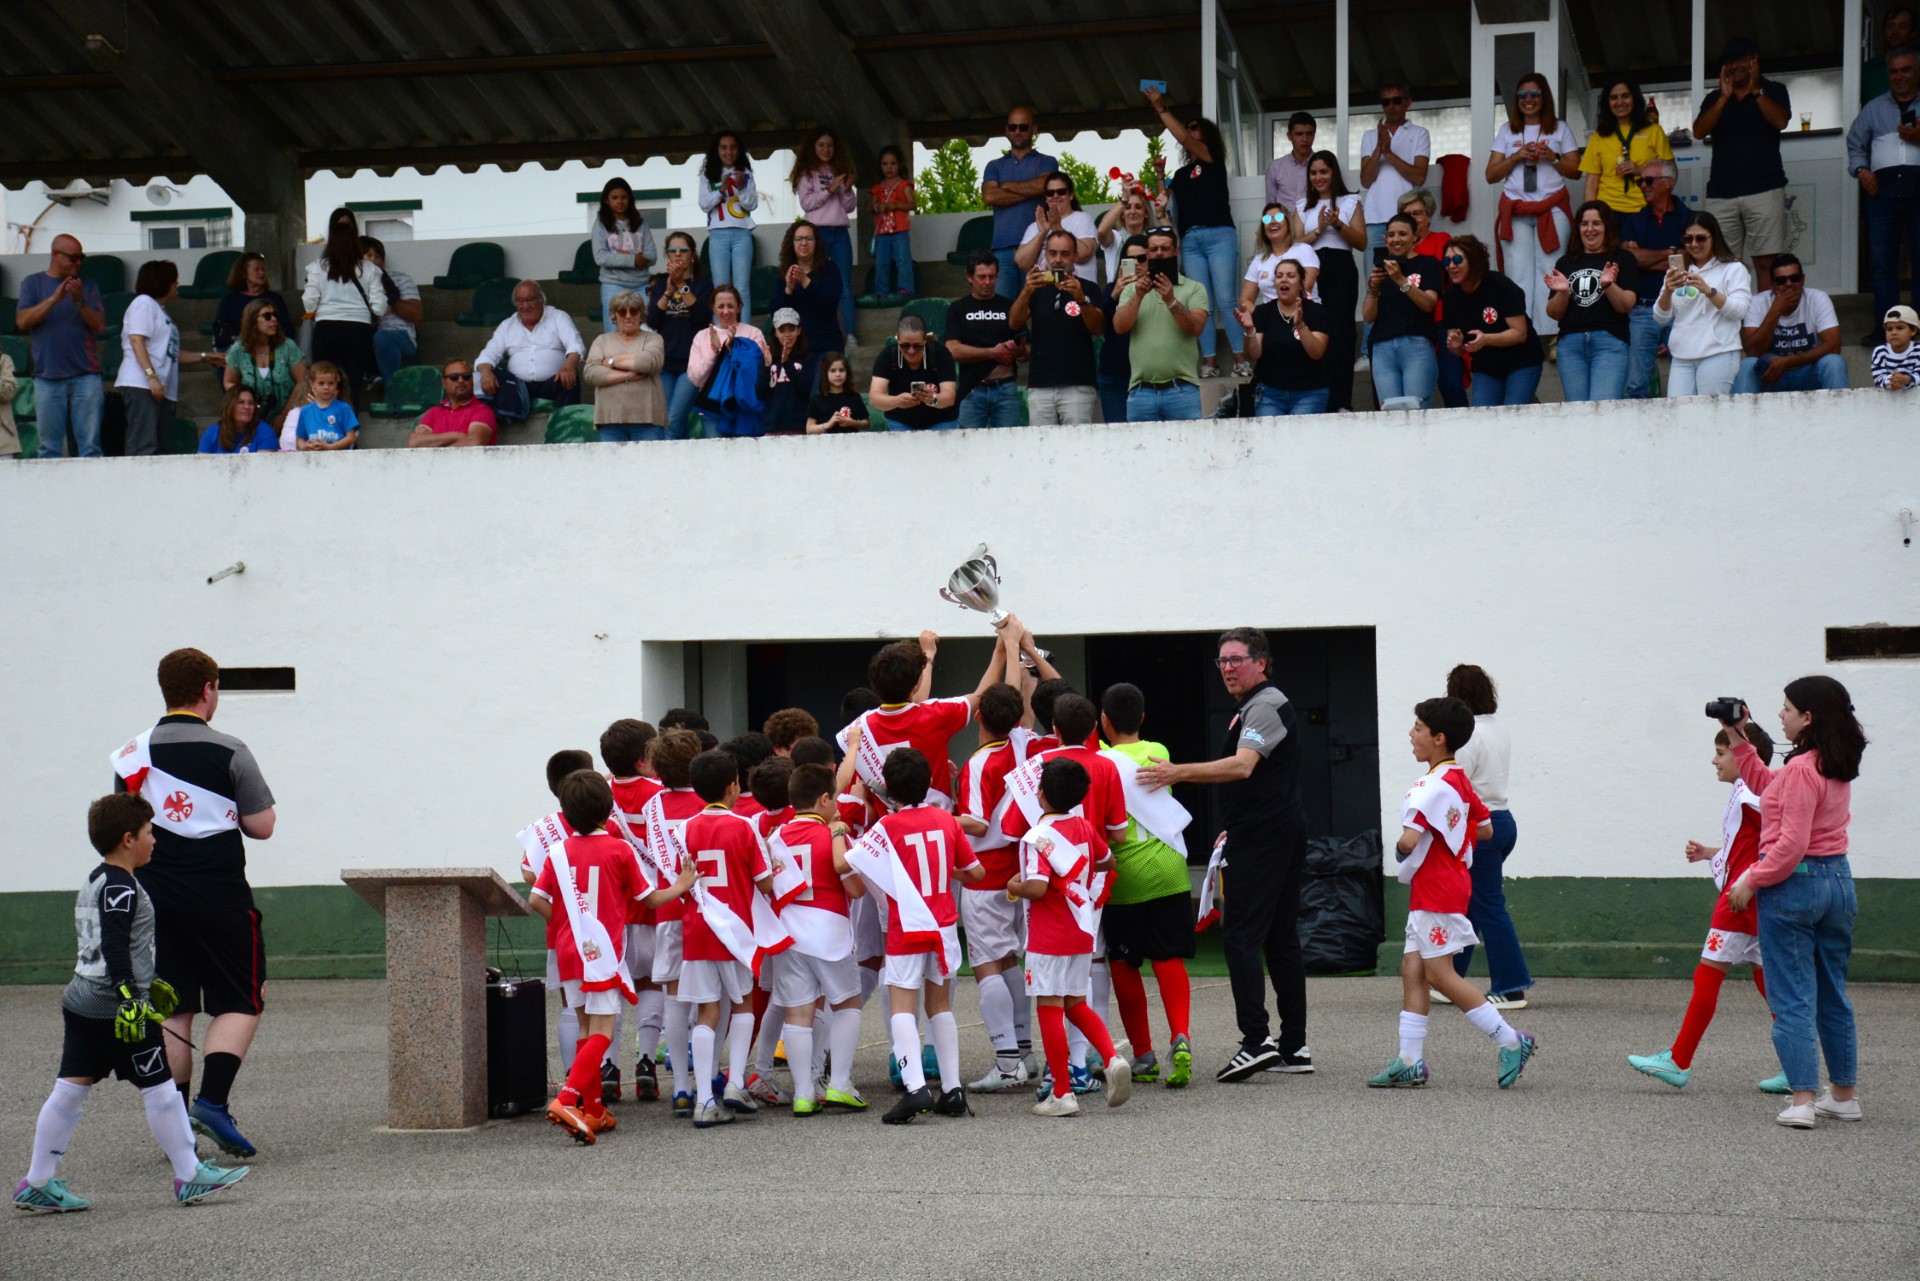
<point>327,422</point>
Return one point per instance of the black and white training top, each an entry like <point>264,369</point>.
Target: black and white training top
<point>113,922</point>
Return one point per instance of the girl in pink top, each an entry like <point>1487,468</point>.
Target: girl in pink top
<point>1805,892</point>
<point>726,327</point>
<point>824,180</point>
<point>892,215</point>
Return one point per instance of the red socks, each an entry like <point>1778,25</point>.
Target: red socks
<point>1130,994</point>
<point>1053,1039</point>
<point>1706,997</point>
<point>1760,981</point>
<point>1176,993</point>
<point>583,1079</point>
<point>1092,1027</point>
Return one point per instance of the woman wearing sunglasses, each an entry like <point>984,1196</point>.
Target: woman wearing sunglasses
<point>1130,217</point>
<point>1704,298</point>
<point>263,358</point>
<point>1533,156</point>
<point>1487,319</point>
<point>1280,238</point>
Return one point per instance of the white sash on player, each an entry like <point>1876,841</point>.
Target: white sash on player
<point>183,808</point>
<point>878,861</point>
<point>664,855</point>
<point>539,836</point>
<point>1434,799</point>
<point>993,838</point>
<point>1163,817</point>
<point>1210,888</point>
<point>1740,795</point>
<point>1023,789</point>
<point>870,761</point>
<point>817,931</point>
<point>750,941</point>
<point>1064,863</point>
<point>600,968</point>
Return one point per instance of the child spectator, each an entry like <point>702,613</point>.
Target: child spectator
<point>892,215</point>
<point>623,750</point>
<point>536,838</point>
<point>326,422</point>
<point>1896,362</point>
<point>1442,818</point>
<point>787,382</point>
<point>835,406</point>
<point>113,1008</point>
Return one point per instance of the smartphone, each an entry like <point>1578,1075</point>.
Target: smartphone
<point>1674,261</point>
<point>1167,267</point>
<point>1379,256</point>
<point>1158,86</point>
<point>916,388</point>
<point>1056,275</point>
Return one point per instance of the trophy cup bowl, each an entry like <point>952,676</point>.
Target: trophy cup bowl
<point>976,586</point>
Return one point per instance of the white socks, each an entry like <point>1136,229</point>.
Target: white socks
<point>650,1014</point>
<point>822,1038</point>
<point>1022,1008</point>
<point>679,1016</point>
<point>1413,1036</point>
<point>59,1115</point>
<point>945,1030</point>
<point>768,1041</point>
<point>799,1038</point>
<point>1488,1020</point>
<point>167,1118</point>
<point>905,1033</point>
<point>1100,993</point>
<point>703,1039</point>
<point>846,1040</point>
<point>996,1010</point>
<point>569,1036</point>
<point>619,1032</point>
<point>739,1048</point>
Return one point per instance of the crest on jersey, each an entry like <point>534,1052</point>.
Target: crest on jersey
<point>1489,314</point>
<point>132,747</point>
<point>589,950</point>
<point>1453,817</point>
<point>1716,941</point>
<point>179,807</point>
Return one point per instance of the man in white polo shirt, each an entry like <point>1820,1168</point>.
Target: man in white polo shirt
<point>1398,154</point>
<point>534,354</point>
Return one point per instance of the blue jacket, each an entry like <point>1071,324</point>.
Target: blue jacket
<point>731,403</point>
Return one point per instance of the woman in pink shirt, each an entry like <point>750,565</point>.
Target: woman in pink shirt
<point>1805,892</point>
<point>823,178</point>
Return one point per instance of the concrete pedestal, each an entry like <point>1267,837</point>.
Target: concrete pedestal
<point>436,987</point>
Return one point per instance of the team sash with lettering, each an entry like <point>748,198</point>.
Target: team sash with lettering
<point>1064,864</point>
<point>600,967</point>
<point>1730,828</point>
<point>817,931</point>
<point>878,861</point>
<point>751,940</point>
<point>1164,818</point>
<point>871,759</point>
<point>540,836</point>
<point>183,808</point>
<point>1446,813</point>
<point>1210,885</point>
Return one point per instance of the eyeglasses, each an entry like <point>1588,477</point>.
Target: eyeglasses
<point>61,253</point>
<point>911,346</point>
<point>456,378</point>
<point>1393,100</point>
<point>1528,93</point>
<point>1696,240</point>
<point>678,249</point>
<point>1454,260</point>
<point>1227,662</point>
<point>1797,279</point>
<point>1019,128</point>
<point>1648,182</point>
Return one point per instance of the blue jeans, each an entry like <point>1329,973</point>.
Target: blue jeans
<point>1593,366</point>
<point>620,433</point>
<point>1113,396</point>
<point>1178,403</point>
<point>1009,272</point>
<point>681,391</point>
<point>994,404</point>
<point>731,249</point>
<point>1829,373</point>
<point>1211,255</point>
<point>392,348</point>
<point>1274,402</point>
<point>1648,335</point>
<point>838,242</point>
<point>1487,910</point>
<point>1451,381</point>
<point>1516,388</point>
<point>893,263</point>
<point>894,424</point>
<point>1887,220</point>
<point>1806,940</point>
<point>1405,367</point>
<point>69,404</point>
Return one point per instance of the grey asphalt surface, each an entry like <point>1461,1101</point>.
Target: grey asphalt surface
<point>1584,1169</point>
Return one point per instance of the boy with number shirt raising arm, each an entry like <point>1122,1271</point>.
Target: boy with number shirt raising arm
<point>902,675</point>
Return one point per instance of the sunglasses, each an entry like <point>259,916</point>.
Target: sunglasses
<point>1648,182</point>
<point>268,315</point>
<point>911,346</point>
<point>1059,191</point>
<point>678,249</point>
<point>61,253</point>
<point>1394,100</point>
<point>1019,128</point>
<point>456,378</point>
<point>1797,279</point>
<point>1528,93</point>
<point>1454,260</point>
<point>1696,240</point>
<point>1272,218</point>
<point>626,311</point>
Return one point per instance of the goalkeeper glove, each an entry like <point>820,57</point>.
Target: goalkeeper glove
<point>162,999</point>
<point>130,1020</point>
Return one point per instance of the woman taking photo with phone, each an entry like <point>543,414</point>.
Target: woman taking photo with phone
<point>1705,300</point>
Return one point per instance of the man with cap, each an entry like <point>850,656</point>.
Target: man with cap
<point>1747,189</point>
<point>1896,362</point>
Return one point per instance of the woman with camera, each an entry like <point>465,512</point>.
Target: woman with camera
<point>1805,891</point>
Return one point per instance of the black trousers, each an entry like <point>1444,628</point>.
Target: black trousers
<point>1260,926</point>
<point>348,344</point>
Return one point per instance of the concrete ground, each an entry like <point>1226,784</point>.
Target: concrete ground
<point>1584,1169</point>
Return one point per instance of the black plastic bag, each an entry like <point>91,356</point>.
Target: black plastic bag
<point>1341,904</point>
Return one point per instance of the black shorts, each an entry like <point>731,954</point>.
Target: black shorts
<point>1160,929</point>
<point>92,1051</point>
<point>213,956</point>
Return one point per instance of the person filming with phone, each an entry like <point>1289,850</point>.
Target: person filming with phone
<point>1164,316</point>
<point>1062,319</point>
<point>915,384</point>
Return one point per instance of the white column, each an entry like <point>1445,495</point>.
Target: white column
<point>1209,60</point>
<point>1341,90</point>
<point>1697,43</point>
<point>1852,28</point>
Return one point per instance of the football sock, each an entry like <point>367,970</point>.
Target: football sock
<point>59,1116</point>
<point>168,1121</point>
<point>650,1014</point>
<point>1093,1027</point>
<point>1022,1011</point>
<point>678,1016</point>
<point>1700,1008</point>
<point>1488,1020</point>
<point>1760,981</point>
<point>584,1077</point>
<point>703,1039</point>
<point>569,1033</point>
<point>739,1048</point>
<point>1131,993</point>
<point>1076,1044</point>
<point>945,1030</point>
<point>905,1031</point>
<point>1176,993</point>
<point>822,1039</point>
<point>1413,1036</point>
<point>768,1041</point>
<point>619,1035</point>
<point>846,1040</point>
<point>760,1002</point>
<point>1053,1039</point>
<point>996,1011</point>
<point>799,1038</point>
<point>1100,991</point>
<point>217,1071</point>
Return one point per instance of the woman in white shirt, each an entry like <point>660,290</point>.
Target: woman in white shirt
<point>1705,299</point>
<point>728,196</point>
<point>1335,226</point>
<point>1485,759</point>
<point>1279,240</point>
<point>344,297</point>
<point>1130,216</point>
<point>150,357</point>
<point>1534,154</point>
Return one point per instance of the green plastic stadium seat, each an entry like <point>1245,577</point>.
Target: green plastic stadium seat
<point>762,284</point>
<point>24,410</point>
<point>572,425</point>
<point>182,438</point>
<point>210,277</point>
<point>933,311</point>
<point>597,314</point>
<point>975,233</point>
<point>106,271</point>
<point>413,390</point>
<point>115,306</point>
<point>30,440</point>
<point>8,306</point>
<point>473,265</point>
<point>492,303</point>
<point>20,351</point>
<point>585,271</point>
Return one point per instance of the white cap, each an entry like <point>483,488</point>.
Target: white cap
<point>786,316</point>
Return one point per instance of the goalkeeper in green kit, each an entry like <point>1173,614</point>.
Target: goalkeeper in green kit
<point>114,1008</point>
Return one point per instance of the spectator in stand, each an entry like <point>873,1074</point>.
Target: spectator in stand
<point>724,371</point>
<point>1791,337</point>
<point>534,354</point>
<point>1898,29</point>
<point>623,247</point>
<point>1451,383</point>
<point>1282,238</point>
<point>823,179</point>
<point>984,348</point>
<point>811,284</point>
<point>1012,187</point>
<point>1130,216</point>
<point>915,384</point>
<point>1704,298</point>
<point>1059,211</point>
<point>1621,144</point>
<point>1592,297</point>
<point>1210,242</point>
<point>460,420</point>
<point>345,300</point>
<point>1487,317</point>
<point>1883,152</point>
<point>728,196</point>
<point>1163,315</point>
<point>263,358</point>
<point>623,368</point>
<point>150,357</point>
<point>1403,292</point>
<point>1534,154</point>
<point>1335,226</point>
<point>1116,357</point>
<point>246,283</point>
<point>1287,339</point>
<point>1057,309</point>
<point>679,306</point>
<point>1396,164</point>
<point>1287,175</point>
<point>893,200</point>
<point>1896,362</point>
<point>395,340</point>
<point>241,429</point>
<point>1651,237</point>
<point>835,407</point>
<point>787,381</point>
<point>61,315</point>
<point>1747,187</point>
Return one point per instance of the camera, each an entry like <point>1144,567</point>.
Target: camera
<point>1380,256</point>
<point>1726,710</point>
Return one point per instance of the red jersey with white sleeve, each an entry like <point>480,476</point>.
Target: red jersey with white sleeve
<point>1061,849</point>
<point>932,845</point>
<point>730,856</point>
<point>1447,812</point>
<point>1739,850</point>
<point>607,878</point>
<point>630,797</point>
<point>1106,804</point>
<point>539,836</point>
<point>810,842</point>
<point>767,821</point>
<point>663,820</point>
<point>983,796</point>
<point>927,727</point>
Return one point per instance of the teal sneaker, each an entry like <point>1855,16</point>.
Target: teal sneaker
<point>929,1062</point>
<point>1514,1061</point>
<point>1400,1074</point>
<point>50,1197</point>
<point>1661,1067</point>
<point>1146,1068</point>
<point>207,1180</point>
<point>1776,1085</point>
<point>1182,1071</point>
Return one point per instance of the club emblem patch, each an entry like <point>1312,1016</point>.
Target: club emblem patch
<point>1453,817</point>
<point>1437,936</point>
<point>179,807</point>
<point>1716,941</point>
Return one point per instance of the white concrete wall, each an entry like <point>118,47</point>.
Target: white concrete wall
<point>455,616</point>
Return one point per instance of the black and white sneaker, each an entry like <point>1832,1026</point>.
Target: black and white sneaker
<point>1246,1062</point>
<point>1298,1063</point>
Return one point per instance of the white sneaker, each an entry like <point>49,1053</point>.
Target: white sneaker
<point>997,1080</point>
<point>1057,1105</point>
<point>1799,1116</point>
<point>1120,1074</point>
<point>1362,365</point>
<point>1438,997</point>
<point>1834,1110</point>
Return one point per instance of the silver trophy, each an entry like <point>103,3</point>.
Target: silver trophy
<point>976,586</point>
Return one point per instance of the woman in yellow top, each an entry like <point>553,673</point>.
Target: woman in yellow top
<point>1619,147</point>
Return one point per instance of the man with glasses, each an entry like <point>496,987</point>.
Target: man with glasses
<point>1164,316</point>
<point>1013,187</point>
<point>395,340</point>
<point>538,350</point>
<point>914,382</point>
<point>458,419</point>
<point>61,315</point>
<point>1883,153</point>
<point>1791,336</point>
<point>1650,236</point>
<point>1396,165</point>
<point>1747,189</point>
<point>1266,856</point>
